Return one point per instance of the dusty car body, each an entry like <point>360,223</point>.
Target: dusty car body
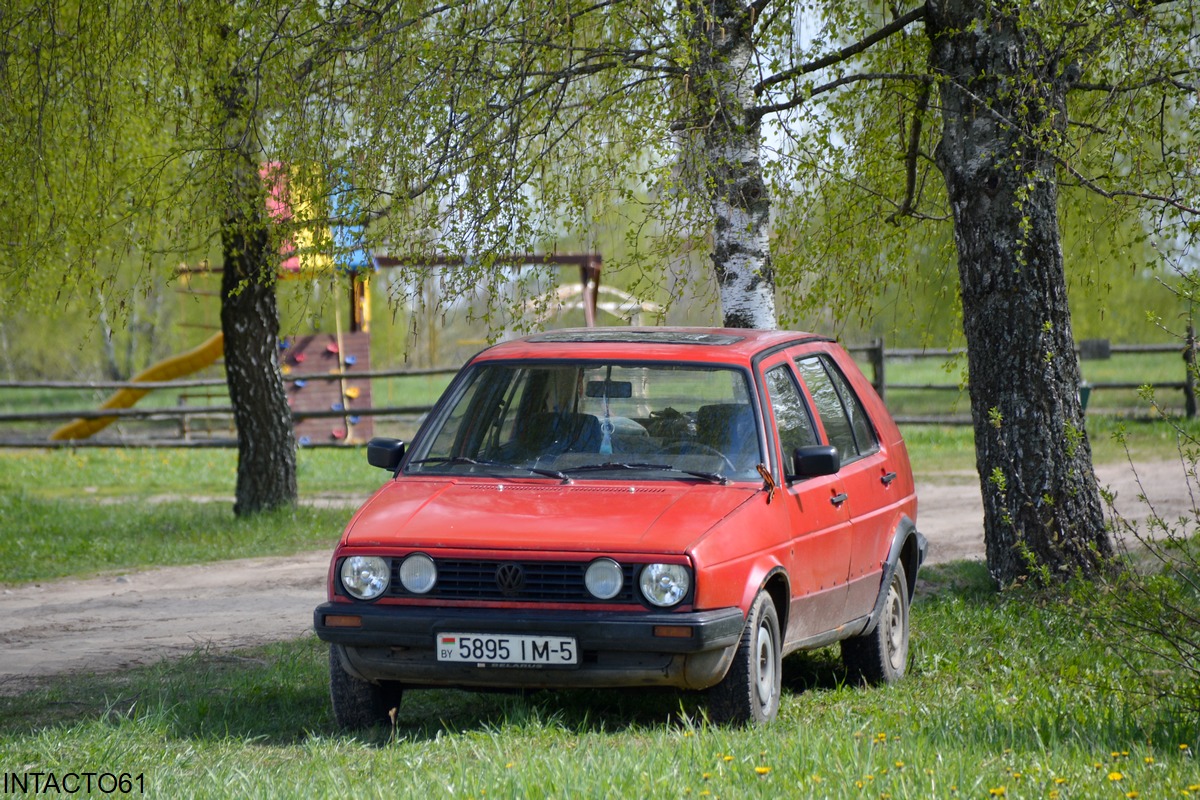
<point>630,507</point>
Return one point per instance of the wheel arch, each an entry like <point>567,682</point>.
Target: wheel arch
<point>778,586</point>
<point>908,548</point>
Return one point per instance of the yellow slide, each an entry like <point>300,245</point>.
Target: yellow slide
<point>186,363</point>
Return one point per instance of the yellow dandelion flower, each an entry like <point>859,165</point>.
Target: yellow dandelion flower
<point>899,764</point>
<point>727,758</point>
<point>705,776</point>
<point>1054,794</point>
<point>1194,787</point>
<point>859,784</point>
<point>1183,748</point>
<point>1148,760</point>
<point>510,765</point>
<point>1132,794</point>
<point>998,791</point>
<point>1060,781</point>
<point>706,793</point>
<point>1115,776</point>
<point>762,770</point>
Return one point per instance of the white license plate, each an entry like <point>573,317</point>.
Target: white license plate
<point>501,648</point>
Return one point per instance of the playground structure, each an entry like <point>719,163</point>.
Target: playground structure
<point>323,372</point>
<point>169,369</point>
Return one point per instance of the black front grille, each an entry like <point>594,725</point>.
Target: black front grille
<point>524,581</point>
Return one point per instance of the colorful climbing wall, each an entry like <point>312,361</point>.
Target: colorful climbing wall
<point>302,359</point>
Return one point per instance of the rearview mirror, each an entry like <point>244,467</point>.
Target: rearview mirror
<point>385,453</point>
<point>610,389</point>
<point>814,460</point>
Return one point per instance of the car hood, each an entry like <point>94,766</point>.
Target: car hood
<point>662,517</point>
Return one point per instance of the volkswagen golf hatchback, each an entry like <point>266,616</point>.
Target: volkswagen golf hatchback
<point>630,507</point>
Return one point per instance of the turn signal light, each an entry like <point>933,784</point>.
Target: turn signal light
<point>673,631</point>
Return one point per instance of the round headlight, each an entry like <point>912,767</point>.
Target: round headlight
<point>604,579</point>
<point>418,573</point>
<point>665,585</point>
<point>365,577</point>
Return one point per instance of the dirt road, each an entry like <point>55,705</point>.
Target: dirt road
<point>113,622</point>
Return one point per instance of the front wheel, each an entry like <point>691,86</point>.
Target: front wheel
<point>882,655</point>
<point>750,691</point>
<point>357,703</point>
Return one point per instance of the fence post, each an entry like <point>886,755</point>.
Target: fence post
<point>877,360</point>
<point>1189,380</point>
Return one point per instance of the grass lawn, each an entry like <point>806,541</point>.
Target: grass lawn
<point>1008,696</point>
<point>1016,695</point>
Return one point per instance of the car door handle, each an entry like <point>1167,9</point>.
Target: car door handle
<point>838,499</point>
<point>888,477</point>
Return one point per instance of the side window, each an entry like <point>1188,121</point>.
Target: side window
<point>791,414</point>
<point>841,412</point>
<point>864,434</point>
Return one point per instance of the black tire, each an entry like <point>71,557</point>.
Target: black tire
<point>358,704</point>
<point>750,691</point>
<point>881,656</point>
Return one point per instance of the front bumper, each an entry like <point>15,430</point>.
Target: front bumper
<point>396,643</point>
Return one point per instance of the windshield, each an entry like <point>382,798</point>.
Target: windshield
<point>597,420</point>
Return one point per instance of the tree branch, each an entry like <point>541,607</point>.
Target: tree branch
<point>892,27</point>
<point>910,161</point>
<point>758,112</point>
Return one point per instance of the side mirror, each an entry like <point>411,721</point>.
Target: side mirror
<point>385,453</point>
<point>814,460</point>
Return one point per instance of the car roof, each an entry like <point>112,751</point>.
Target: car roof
<point>729,345</point>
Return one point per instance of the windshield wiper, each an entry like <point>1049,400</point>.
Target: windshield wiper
<point>712,477</point>
<point>549,473</point>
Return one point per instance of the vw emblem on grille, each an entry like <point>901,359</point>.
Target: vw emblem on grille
<point>510,578</point>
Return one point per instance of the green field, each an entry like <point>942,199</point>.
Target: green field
<point>1017,695</point>
<point>1008,696</point>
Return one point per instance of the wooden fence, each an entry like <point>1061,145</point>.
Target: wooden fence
<point>181,418</point>
<point>876,356</point>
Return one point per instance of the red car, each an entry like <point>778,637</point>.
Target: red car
<point>630,507</point>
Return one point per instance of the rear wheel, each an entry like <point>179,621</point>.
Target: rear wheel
<point>750,691</point>
<point>881,656</point>
<point>358,703</point>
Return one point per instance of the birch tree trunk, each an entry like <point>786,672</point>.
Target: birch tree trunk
<point>1003,102</point>
<point>722,80</point>
<point>266,474</point>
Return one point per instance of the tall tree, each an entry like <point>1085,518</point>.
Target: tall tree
<point>1002,76</point>
<point>1003,107</point>
<point>266,473</point>
<point>721,77</point>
